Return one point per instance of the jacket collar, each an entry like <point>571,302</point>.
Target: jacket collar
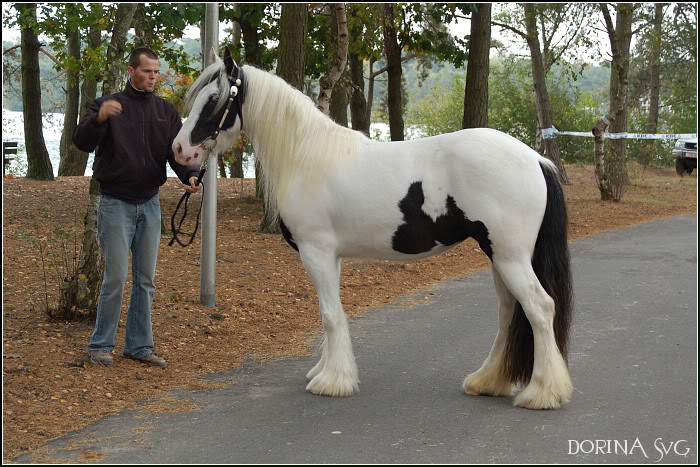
<point>132,91</point>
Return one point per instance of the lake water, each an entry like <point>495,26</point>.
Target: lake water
<point>13,130</point>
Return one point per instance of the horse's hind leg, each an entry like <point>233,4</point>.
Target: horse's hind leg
<point>550,384</point>
<point>491,379</point>
<point>336,372</point>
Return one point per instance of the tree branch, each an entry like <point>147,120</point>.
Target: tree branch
<point>510,28</point>
<point>608,20</point>
<point>403,59</point>
<point>41,49</point>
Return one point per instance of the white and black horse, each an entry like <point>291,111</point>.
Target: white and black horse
<point>341,194</point>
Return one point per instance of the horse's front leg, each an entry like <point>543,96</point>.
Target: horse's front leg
<point>336,372</point>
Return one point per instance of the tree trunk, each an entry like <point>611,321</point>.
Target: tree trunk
<point>73,160</point>
<point>251,43</point>
<point>144,33</point>
<point>601,172</point>
<point>292,46</point>
<point>80,293</point>
<point>370,92</point>
<point>358,103</point>
<point>236,165</point>
<point>222,163</point>
<point>544,106</point>
<point>38,162</point>
<point>252,52</point>
<point>476,93</point>
<point>648,146</point>
<point>79,298</point>
<point>338,57</point>
<point>88,91</point>
<point>338,110</point>
<point>290,67</point>
<point>116,52</point>
<point>393,60</point>
<point>620,36</point>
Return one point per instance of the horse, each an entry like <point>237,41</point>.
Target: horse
<point>339,194</point>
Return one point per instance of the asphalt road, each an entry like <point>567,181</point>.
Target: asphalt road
<point>633,364</point>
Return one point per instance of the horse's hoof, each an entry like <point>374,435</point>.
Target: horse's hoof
<point>480,385</point>
<point>338,386</point>
<point>536,397</point>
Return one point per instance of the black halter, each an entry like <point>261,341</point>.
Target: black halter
<point>209,144</point>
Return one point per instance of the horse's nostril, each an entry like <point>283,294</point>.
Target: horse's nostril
<point>196,155</point>
<point>179,148</point>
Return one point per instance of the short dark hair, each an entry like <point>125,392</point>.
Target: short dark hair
<point>135,57</point>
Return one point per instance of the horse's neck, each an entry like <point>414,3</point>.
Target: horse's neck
<point>294,142</point>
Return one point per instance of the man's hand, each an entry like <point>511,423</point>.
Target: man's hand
<point>108,109</point>
<point>193,187</point>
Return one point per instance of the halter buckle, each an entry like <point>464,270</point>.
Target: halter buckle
<point>210,142</point>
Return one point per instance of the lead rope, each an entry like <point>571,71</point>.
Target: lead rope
<point>186,197</point>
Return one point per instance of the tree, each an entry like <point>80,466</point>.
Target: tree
<point>73,161</point>
<point>392,50</point>
<point>476,93</point>
<point>338,58</point>
<point>74,299</point>
<point>116,52</point>
<point>543,105</point>
<point>550,31</point>
<point>292,46</point>
<point>612,172</point>
<point>654,86</point>
<point>679,54</point>
<point>364,28</point>
<point>39,164</point>
<point>236,165</point>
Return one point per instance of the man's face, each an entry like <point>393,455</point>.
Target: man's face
<point>144,76</point>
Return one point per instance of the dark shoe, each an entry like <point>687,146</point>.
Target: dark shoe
<point>151,359</point>
<point>99,356</point>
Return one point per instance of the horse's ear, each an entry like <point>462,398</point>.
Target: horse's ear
<point>230,63</point>
<point>213,56</point>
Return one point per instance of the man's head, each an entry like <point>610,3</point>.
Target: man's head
<point>144,67</point>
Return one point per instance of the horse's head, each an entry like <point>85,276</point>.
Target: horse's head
<point>213,106</point>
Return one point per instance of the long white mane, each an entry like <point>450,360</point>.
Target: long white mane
<point>292,138</point>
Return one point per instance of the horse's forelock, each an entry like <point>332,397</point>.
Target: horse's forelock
<point>209,74</point>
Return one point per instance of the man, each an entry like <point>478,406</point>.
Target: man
<point>133,131</point>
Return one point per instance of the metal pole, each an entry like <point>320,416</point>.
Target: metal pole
<point>207,268</point>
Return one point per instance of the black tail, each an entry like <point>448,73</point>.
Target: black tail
<point>552,267</point>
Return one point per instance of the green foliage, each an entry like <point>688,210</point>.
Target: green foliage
<point>424,30</point>
<point>511,107</point>
<point>512,99</point>
<point>441,111</point>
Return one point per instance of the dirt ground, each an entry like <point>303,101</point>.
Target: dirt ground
<point>266,306</point>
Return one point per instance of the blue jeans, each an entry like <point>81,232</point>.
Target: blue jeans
<point>122,227</point>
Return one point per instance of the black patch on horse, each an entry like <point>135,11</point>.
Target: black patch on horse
<point>208,121</point>
<point>420,233</point>
<point>288,235</point>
